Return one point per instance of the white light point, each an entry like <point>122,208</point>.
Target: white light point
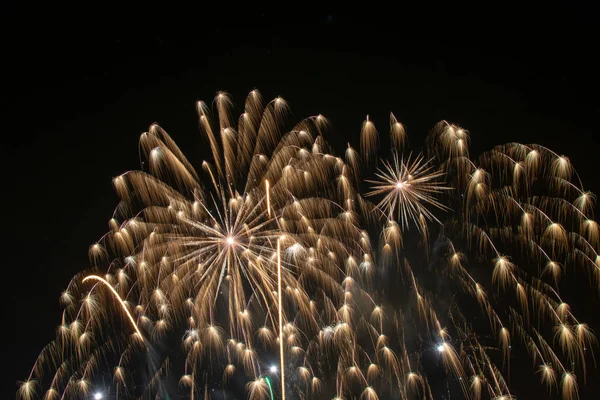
<point>98,396</point>
<point>273,369</point>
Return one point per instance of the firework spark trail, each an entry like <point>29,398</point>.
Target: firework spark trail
<point>119,299</point>
<point>279,300</point>
<point>267,189</point>
<point>204,261</point>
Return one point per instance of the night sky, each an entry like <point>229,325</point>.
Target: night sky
<point>81,85</point>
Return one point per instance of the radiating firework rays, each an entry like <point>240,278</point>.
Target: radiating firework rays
<point>185,291</point>
<point>409,188</point>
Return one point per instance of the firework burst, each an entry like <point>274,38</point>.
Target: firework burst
<point>270,273</point>
<point>409,188</point>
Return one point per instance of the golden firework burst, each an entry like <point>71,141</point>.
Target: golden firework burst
<point>271,256</point>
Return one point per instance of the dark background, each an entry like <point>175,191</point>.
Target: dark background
<point>81,84</point>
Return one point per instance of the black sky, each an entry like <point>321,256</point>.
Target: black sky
<point>80,85</point>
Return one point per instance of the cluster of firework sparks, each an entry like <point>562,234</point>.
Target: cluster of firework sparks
<point>270,272</point>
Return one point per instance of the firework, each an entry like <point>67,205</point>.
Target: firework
<point>271,256</point>
<point>410,189</point>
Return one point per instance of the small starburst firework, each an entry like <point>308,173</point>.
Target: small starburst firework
<point>409,188</point>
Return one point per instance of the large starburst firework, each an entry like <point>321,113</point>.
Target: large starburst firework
<point>270,274</point>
